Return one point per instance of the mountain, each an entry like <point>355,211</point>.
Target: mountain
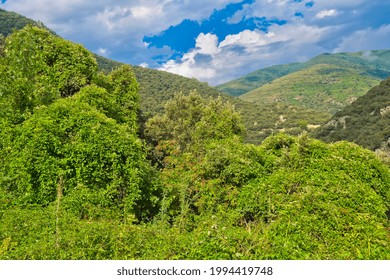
<point>11,21</point>
<point>374,64</point>
<point>365,121</point>
<point>258,78</point>
<point>323,87</point>
<point>157,87</point>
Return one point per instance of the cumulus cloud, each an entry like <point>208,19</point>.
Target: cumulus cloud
<point>326,13</point>
<point>117,29</point>
<point>206,44</point>
<point>246,51</point>
<point>366,39</point>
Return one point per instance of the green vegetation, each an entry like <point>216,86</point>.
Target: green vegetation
<point>11,21</point>
<point>323,87</point>
<point>261,120</point>
<point>368,64</point>
<point>37,68</point>
<point>70,132</point>
<point>258,78</point>
<point>365,122</point>
<point>82,177</point>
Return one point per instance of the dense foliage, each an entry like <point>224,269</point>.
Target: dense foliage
<point>11,21</point>
<point>365,122</point>
<point>260,120</point>
<point>38,68</point>
<point>78,182</point>
<point>70,132</point>
<point>191,120</point>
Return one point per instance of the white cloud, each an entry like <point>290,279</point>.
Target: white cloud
<point>250,38</point>
<point>102,51</point>
<point>326,13</point>
<point>366,39</point>
<point>207,44</point>
<point>246,51</point>
<point>116,29</point>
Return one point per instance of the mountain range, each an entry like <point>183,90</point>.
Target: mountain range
<point>292,97</point>
<point>96,164</point>
<point>327,82</point>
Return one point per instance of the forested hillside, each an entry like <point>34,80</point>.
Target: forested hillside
<point>365,122</point>
<point>12,21</point>
<point>258,78</point>
<point>368,64</point>
<point>323,87</point>
<point>260,120</point>
<point>78,182</point>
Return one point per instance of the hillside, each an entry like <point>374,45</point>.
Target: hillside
<point>11,21</point>
<point>373,64</point>
<point>323,87</point>
<point>258,78</point>
<point>77,181</point>
<point>365,122</point>
<point>157,87</point>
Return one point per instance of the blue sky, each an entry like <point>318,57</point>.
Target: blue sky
<point>214,41</point>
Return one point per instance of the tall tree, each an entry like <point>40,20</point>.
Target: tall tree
<point>190,121</point>
<point>39,67</point>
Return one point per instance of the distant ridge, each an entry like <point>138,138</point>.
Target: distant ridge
<point>373,64</point>
<point>323,87</point>
<point>157,87</point>
<point>12,20</point>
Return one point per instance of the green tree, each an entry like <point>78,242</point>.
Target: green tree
<point>39,67</point>
<point>191,121</point>
<point>2,43</point>
<point>99,162</point>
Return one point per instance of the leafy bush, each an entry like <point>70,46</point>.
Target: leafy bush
<point>72,144</point>
<point>40,68</point>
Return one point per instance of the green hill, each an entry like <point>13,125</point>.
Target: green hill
<point>365,122</point>
<point>374,64</point>
<point>157,87</point>
<point>258,78</point>
<point>323,87</point>
<point>11,21</point>
<point>78,183</point>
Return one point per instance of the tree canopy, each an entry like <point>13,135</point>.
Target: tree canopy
<point>39,67</point>
<point>79,180</point>
<point>67,126</point>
